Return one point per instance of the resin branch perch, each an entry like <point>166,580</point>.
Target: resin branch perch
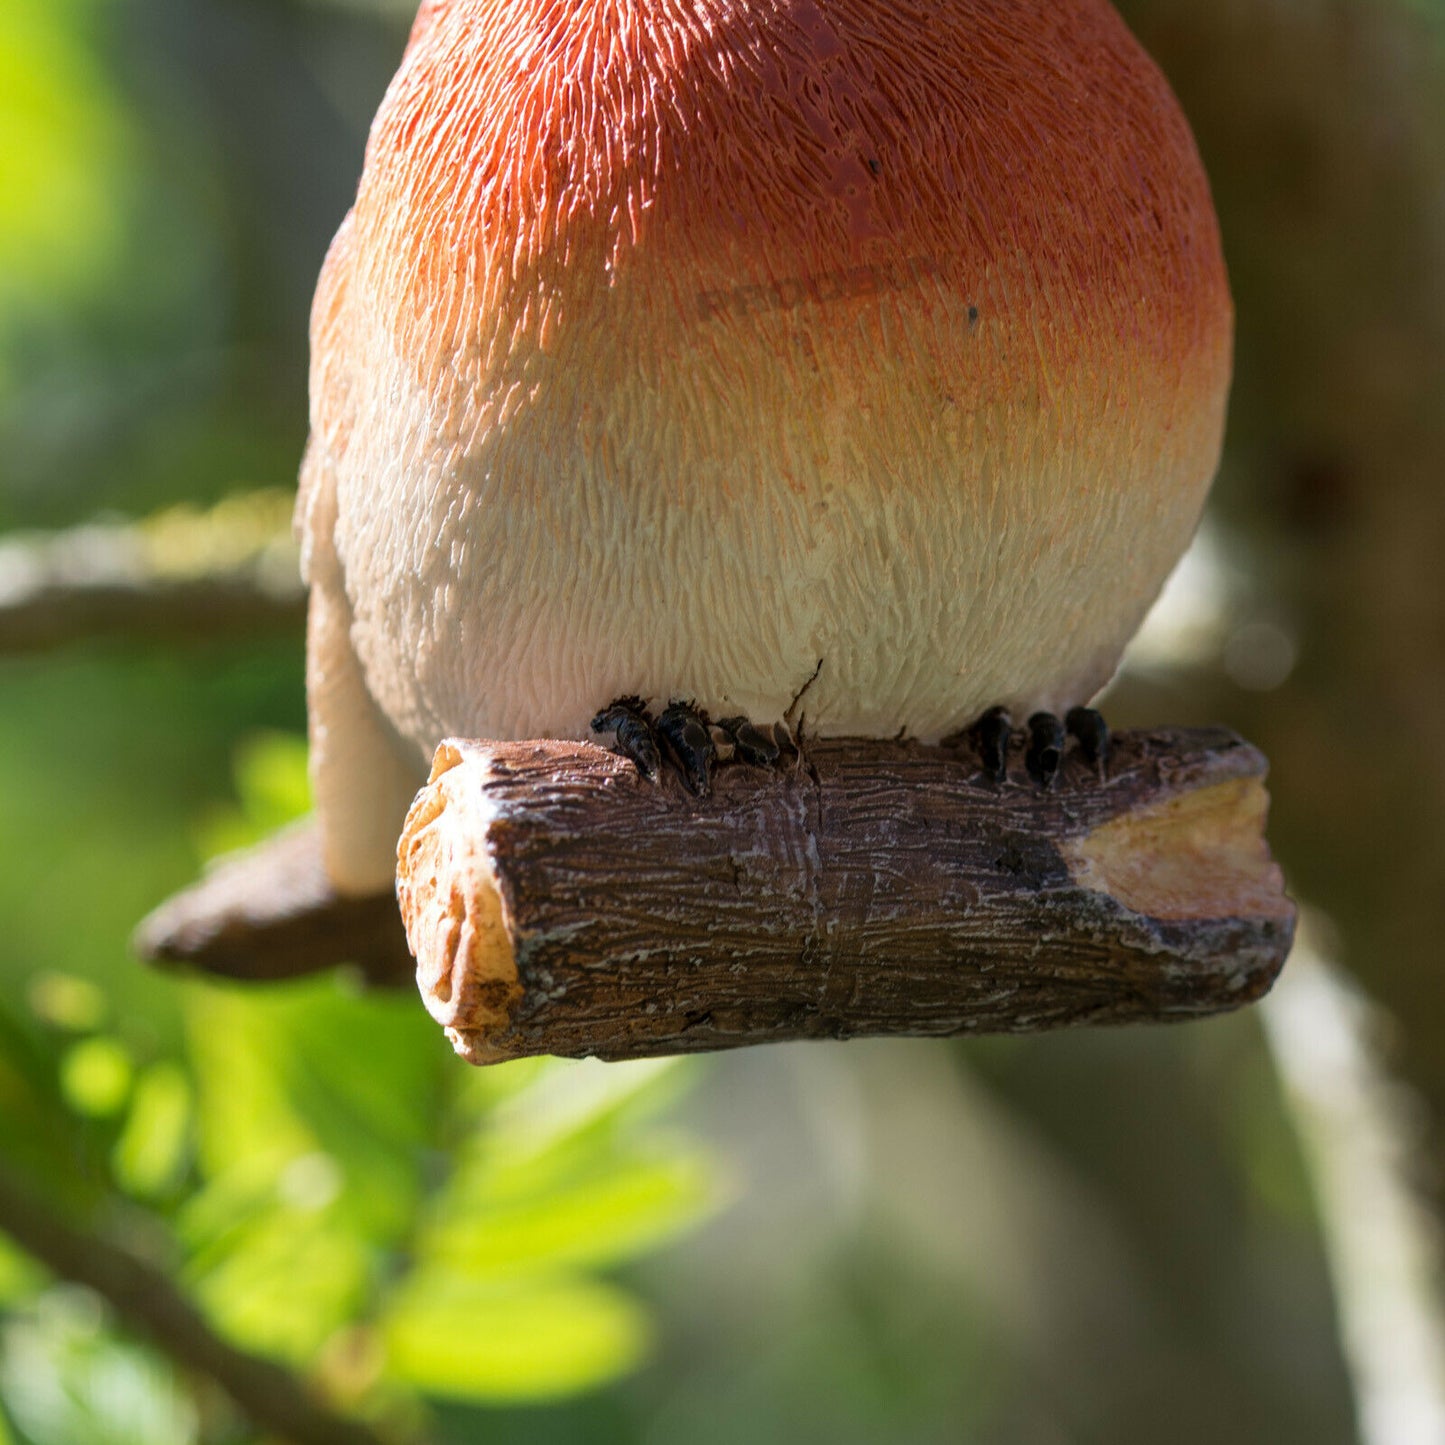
<point>557,903</point>
<point>270,913</point>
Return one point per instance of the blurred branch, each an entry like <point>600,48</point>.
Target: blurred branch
<point>1323,133</point>
<point>181,575</point>
<point>1361,1133</point>
<point>146,1300</point>
<point>559,903</point>
<point>270,913</point>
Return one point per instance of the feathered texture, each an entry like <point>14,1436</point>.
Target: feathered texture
<point>673,346</point>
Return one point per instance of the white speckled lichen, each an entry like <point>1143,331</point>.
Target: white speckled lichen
<point>675,345</point>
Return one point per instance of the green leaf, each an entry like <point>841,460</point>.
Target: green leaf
<point>317,1111</point>
<point>309,1069</point>
<point>67,1002</point>
<point>95,1076</point>
<point>272,789</point>
<point>65,1382</point>
<point>602,1215</point>
<point>246,1120</point>
<point>39,1133</point>
<point>62,143</point>
<point>19,1277</point>
<point>534,1339</point>
<point>151,1153</point>
<point>288,1279</point>
<point>570,1108</point>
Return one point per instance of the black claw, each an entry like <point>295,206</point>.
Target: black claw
<point>724,745</point>
<point>751,743</point>
<point>1046,748</point>
<point>685,735</point>
<point>1093,735</point>
<point>990,736</point>
<point>786,744</point>
<point>629,719</point>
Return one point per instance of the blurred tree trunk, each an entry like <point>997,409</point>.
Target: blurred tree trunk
<point>1323,128</point>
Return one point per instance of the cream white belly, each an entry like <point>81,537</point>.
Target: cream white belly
<point>650,536</point>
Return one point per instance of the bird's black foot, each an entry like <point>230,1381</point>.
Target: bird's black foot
<point>989,736</point>
<point>790,746</point>
<point>1046,739</point>
<point>1093,735</point>
<point>760,746</point>
<point>687,739</point>
<point>1046,748</point>
<point>628,719</point>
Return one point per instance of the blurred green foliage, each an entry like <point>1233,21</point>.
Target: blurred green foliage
<point>66,1378</point>
<point>328,1182</point>
<point>65,158</point>
<point>309,1162</point>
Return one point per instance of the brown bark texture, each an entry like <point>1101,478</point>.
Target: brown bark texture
<point>270,913</point>
<point>559,903</point>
